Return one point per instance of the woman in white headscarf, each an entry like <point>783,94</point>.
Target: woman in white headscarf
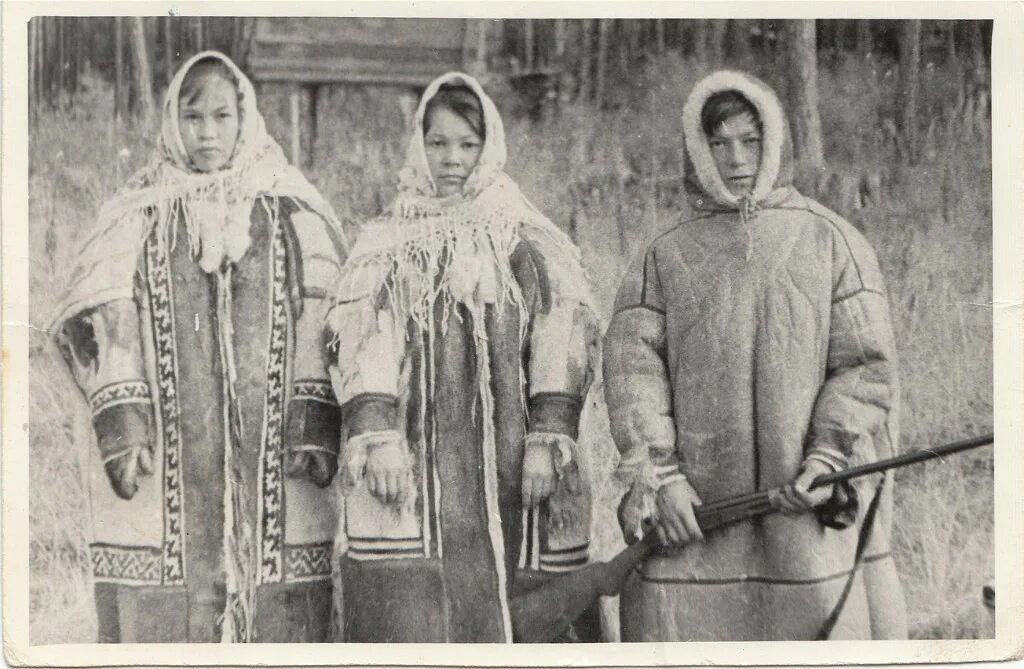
<point>466,346</point>
<point>193,327</point>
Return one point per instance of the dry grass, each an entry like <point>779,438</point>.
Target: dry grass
<point>613,177</point>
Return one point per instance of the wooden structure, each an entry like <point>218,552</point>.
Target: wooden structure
<point>308,53</point>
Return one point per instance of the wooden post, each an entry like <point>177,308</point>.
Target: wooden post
<point>119,87</point>
<point>312,116</point>
<point>295,106</point>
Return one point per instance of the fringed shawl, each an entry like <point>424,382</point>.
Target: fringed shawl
<point>216,206</point>
<point>428,247</point>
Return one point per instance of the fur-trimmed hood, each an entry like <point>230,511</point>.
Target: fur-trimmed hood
<point>775,174</point>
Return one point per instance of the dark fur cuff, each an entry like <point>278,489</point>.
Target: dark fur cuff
<point>120,427</point>
<point>314,423</point>
<point>555,412</point>
<point>370,412</point>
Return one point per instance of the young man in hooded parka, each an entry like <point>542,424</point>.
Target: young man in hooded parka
<point>751,348</point>
<point>193,327</point>
<point>466,342</point>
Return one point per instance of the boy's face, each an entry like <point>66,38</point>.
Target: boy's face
<point>736,149</point>
<point>209,124</point>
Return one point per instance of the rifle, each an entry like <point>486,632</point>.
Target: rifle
<point>732,510</point>
<point>543,613</point>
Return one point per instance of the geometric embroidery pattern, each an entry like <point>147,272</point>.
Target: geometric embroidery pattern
<point>122,392</point>
<point>271,464</point>
<point>125,564</point>
<point>306,562</point>
<point>160,301</point>
<point>314,389</point>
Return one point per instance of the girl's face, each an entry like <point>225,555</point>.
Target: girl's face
<point>209,123</point>
<point>453,149</point>
<point>736,149</point>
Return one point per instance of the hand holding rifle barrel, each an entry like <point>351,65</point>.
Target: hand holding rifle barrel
<point>540,614</point>
<point>732,510</point>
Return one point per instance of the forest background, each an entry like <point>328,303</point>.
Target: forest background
<point>891,126</point>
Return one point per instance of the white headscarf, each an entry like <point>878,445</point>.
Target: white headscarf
<point>216,206</point>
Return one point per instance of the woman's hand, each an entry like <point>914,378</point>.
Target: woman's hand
<point>388,471</point>
<point>317,464</point>
<point>677,523</point>
<point>797,496</point>
<point>125,469</point>
<point>538,470</point>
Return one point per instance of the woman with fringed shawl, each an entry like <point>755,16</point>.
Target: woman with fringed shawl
<point>750,349</point>
<point>193,325</point>
<point>466,345</point>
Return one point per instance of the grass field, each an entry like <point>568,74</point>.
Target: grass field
<point>614,178</point>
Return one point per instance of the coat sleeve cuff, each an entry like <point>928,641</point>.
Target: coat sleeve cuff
<point>314,419</point>
<point>370,412</point>
<point>557,413</point>
<point>122,427</point>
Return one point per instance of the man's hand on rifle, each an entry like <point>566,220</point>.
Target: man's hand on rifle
<point>676,523</point>
<point>797,496</point>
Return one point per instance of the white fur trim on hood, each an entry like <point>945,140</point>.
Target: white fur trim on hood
<point>773,134</point>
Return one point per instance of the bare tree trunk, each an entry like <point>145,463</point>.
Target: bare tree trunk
<point>586,58</point>
<point>740,40</point>
<point>700,40</point>
<point>560,41</point>
<point>528,44</point>
<point>659,35</point>
<point>119,87</point>
<point>141,70</point>
<point>61,61</point>
<point>977,42</point>
<point>864,38</point>
<point>603,32</point>
<point>802,74</point>
<point>77,54</point>
<point>169,48</point>
<point>717,50</point>
<point>197,32</point>
<point>906,108</point>
<point>33,59</point>
<point>950,30</point>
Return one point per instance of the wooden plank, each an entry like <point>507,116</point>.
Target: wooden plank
<point>296,125</point>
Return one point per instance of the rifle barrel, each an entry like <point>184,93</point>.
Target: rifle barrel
<point>902,460</point>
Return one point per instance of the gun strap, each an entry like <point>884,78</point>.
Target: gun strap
<point>862,543</point>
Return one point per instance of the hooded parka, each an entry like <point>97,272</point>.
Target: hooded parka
<point>745,340</point>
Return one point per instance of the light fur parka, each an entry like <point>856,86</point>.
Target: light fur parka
<point>746,340</point>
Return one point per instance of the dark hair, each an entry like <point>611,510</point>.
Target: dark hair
<point>461,101</point>
<point>723,106</point>
<point>202,70</point>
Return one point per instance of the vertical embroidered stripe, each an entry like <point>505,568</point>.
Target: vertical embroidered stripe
<point>161,310</point>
